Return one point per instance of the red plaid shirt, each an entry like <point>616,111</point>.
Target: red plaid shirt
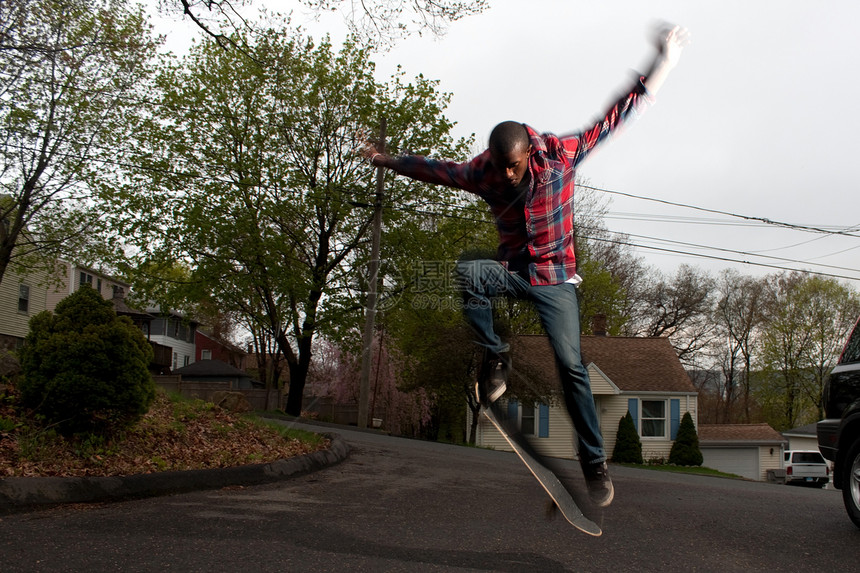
<point>537,236</point>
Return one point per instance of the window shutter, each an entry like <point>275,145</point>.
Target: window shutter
<point>633,408</point>
<point>674,416</point>
<point>513,410</point>
<point>543,421</point>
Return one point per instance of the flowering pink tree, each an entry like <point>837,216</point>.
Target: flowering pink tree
<point>336,372</point>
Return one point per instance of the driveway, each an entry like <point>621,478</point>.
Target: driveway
<point>405,505</point>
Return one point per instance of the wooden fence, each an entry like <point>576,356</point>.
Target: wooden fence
<point>347,414</point>
<point>259,399</point>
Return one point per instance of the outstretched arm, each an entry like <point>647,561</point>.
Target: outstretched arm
<point>466,176</point>
<point>670,43</point>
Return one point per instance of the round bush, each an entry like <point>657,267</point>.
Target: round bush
<point>84,368</point>
<point>685,451</point>
<point>628,447</point>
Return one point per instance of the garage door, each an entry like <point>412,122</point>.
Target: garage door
<point>739,461</point>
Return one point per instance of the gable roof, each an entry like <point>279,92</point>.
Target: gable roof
<point>733,433</point>
<point>632,364</point>
<point>807,431</point>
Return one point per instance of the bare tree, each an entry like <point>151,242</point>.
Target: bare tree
<point>679,307</point>
<point>378,22</point>
<point>737,316</point>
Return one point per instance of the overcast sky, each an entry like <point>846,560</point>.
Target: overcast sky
<point>757,120</point>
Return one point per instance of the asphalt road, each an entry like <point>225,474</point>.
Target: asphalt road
<point>404,505</point>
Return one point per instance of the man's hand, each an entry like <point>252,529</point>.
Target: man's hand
<point>367,148</point>
<point>671,41</point>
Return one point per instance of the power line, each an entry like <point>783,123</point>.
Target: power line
<point>726,259</point>
<point>765,220</point>
<point>742,253</point>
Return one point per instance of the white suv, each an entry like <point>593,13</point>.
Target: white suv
<point>807,467</point>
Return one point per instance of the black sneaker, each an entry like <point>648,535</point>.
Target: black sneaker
<point>600,488</point>
<point>492,378</point>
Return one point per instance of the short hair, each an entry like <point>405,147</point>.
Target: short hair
<point>507,136</point>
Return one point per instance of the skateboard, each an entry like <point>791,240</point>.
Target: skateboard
<point>547,479</point>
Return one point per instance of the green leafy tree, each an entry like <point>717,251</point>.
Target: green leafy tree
<point>611,271</point>
<point>628,446</point>
<point>84,368</point>
<point>685,451</point>
<point>69,71</point>
<point>807,319</point>
<point>250,174</point>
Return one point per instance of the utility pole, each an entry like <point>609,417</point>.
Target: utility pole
<point>372,294</point>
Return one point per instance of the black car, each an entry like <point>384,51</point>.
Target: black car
<point>839,432</point>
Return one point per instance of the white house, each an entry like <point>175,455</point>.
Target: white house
<point>639,375</point>
<point>802,437</point>
<point>174,330</point>
<point>23,296</point>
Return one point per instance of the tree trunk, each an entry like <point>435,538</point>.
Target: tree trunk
<point>298,377</point>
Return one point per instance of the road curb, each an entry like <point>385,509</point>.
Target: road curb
<point>22,493</point>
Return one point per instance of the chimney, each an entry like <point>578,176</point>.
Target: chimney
<point>598,324</point>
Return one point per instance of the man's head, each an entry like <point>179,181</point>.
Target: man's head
<point>509,150</point>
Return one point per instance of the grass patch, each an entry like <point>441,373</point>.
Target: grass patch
<point>291,433</point>
<point>692,470</point>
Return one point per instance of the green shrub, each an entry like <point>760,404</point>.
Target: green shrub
<point>84,369</point>
<point>628,447</point>
<point>685,451</point>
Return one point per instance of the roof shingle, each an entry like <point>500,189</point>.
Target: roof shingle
<point>738,432</point>
<point>633,364</point>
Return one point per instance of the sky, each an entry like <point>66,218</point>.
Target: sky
<point>755,124</point>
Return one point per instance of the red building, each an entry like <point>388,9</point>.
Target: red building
<point>207,348</point>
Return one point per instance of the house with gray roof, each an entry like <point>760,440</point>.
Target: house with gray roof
<point>802,437</point>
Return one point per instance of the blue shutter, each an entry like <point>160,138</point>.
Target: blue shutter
<point>543,421</point>
<point>513,411</point>
<point>674,416</point>
<point>633,408</point>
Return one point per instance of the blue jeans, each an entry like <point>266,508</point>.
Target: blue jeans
<point>558,308</point>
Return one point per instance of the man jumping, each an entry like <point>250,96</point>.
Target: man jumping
<point>527,179</point>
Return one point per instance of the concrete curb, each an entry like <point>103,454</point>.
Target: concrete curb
<point>23,493</point>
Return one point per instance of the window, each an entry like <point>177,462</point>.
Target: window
<point>851,352</point>
<point>807,458</point>
<point>533,420</point>
<point>186,360</point>
<point>86,279</point>
<point>527,419</point>
<point>653,418</point>
<point>206,354</point>
<point>23,298</point>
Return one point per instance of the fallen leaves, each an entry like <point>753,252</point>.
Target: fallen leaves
<point>173,435</point>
